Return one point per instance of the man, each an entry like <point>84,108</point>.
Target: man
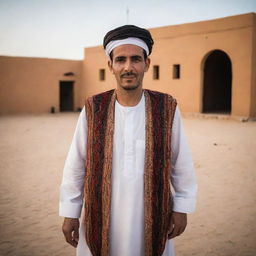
<point>128,145</point>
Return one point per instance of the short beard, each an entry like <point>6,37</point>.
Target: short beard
<point>131,87</point>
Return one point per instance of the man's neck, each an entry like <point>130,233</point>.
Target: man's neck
<point>129,98</point>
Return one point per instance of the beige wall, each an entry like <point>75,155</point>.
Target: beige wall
<point>189,48</point>
<point>31,85</point>
<point>189,45</point>
<point>95,59</point>
<point>253,75</point>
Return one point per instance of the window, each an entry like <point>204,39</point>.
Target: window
<point>176,71</point>
<point>102,74</point>
<point>156,72</point>
<point>69,74</point>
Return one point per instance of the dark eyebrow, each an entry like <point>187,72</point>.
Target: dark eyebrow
<point>133,58</point>
<point>119,58</point>
<point>136,57</point>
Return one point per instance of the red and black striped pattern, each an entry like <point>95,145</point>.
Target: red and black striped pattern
<point>160,109</point>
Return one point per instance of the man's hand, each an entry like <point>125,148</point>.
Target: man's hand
<point>70,229</point>
<point>178,224</point>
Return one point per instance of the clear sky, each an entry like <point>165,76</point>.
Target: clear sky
<point>62,28</point>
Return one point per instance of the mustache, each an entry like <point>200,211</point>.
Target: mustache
<point>128,74</point>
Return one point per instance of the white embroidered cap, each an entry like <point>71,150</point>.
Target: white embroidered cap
<point>130,40</point>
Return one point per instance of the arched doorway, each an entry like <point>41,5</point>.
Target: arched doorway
<point>217,85</point>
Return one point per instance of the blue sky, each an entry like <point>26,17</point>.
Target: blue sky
<point>62,28</point>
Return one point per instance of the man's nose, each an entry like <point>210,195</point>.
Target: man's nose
<point>128,66</point>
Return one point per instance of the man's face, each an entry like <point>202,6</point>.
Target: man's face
<point>128,65</point>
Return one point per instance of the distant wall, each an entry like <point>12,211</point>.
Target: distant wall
<point>95,60</point>
<point>31,85</point>
<point>253,75</point>
<point>188,45</point>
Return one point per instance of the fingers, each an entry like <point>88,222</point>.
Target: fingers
<point>69,239</point>
<point>176,231</point>
<point>178,224</point>
<point>70,229</point>
<point>171,228</point>
<point>76,234</point>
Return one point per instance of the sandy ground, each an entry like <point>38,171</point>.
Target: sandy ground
<point>33,150</point>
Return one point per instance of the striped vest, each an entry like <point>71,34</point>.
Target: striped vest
<point>160,109</point>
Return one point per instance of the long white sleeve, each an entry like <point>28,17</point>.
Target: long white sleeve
<point>182,178</point>
<point>183,175</point>
<point>72,186</point>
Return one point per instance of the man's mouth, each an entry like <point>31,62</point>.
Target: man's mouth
<point>128,76</point>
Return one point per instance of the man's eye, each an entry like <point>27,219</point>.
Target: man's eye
<point>136,59</point>
<point>120,59</point>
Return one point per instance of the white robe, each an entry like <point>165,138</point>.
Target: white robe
<point>127,198</point>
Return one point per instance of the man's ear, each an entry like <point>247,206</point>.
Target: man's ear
<point>147,64</point>
<point>110,64</point>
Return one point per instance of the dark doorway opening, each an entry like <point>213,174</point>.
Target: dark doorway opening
<point>217,83</point>
<point>66,95</point>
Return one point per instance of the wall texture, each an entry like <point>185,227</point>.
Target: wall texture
<point>188,45</point>
<point>31,85</point>
<point>253,74</point>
